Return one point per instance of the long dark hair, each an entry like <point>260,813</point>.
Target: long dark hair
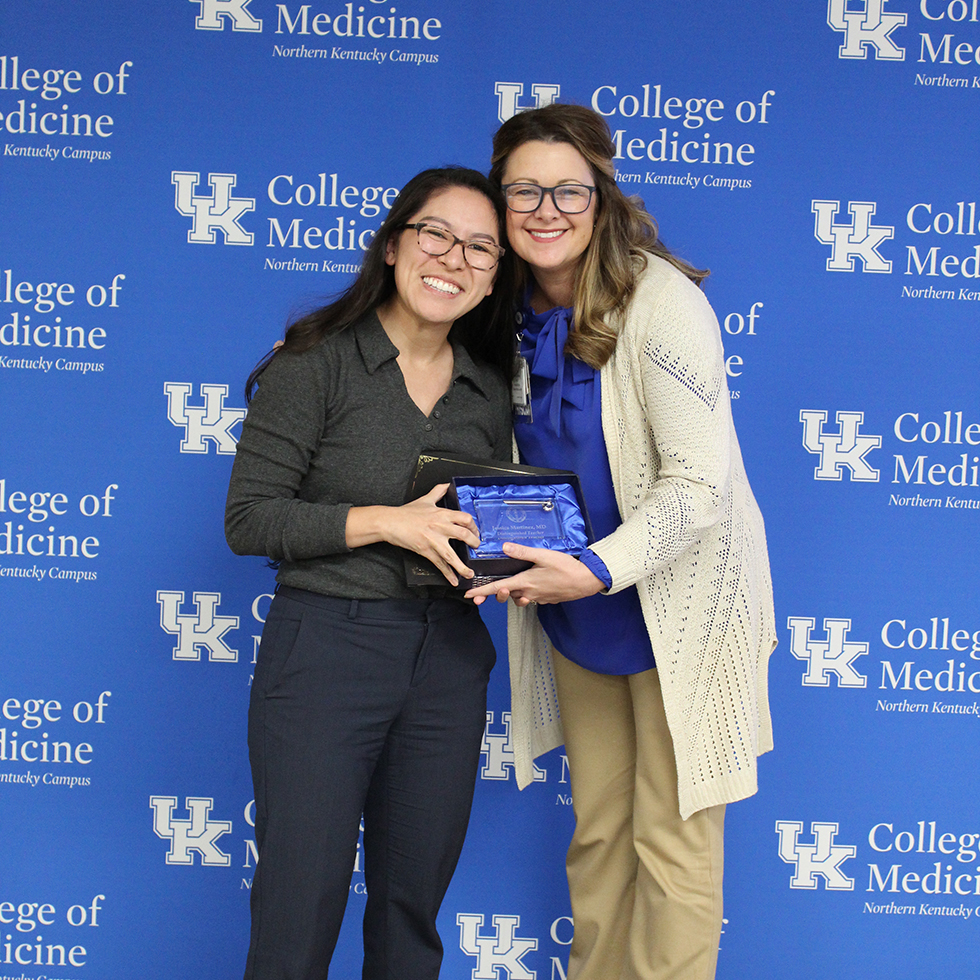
<point>486,331</point>
<point>624,232</point>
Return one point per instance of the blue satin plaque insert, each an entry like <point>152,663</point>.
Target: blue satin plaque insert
<point>539,515</point>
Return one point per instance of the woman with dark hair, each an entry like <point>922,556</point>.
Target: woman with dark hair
<point>369,696</point>
<point>665,624</point>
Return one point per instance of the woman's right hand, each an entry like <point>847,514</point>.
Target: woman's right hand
<point>419,526</point>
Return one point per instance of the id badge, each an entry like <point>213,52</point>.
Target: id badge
<point>520,390</point>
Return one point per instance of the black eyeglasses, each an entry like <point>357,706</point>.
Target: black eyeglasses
<point>478,254</point>
<point>568,198</point>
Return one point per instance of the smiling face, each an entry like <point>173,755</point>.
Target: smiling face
<point>551,242</point>
<point>435,290</point>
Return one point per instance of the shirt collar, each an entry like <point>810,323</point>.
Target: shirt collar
<point>377,349</point>
<point>373,343</point>
<point>466,369</point>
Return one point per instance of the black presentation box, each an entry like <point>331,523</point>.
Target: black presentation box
<point>436,467</point>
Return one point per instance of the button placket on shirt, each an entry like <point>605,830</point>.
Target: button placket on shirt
<point>436,414</point>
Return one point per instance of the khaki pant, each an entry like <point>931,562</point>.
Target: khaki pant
<point>646,886</point>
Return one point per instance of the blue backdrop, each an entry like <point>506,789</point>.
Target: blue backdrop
<point>180,176</point>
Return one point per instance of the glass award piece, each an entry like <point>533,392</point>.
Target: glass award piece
<point>539,515</point>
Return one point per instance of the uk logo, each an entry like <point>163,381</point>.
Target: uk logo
<point>858,240</point>
<point>498,748</point>
<point>844,448</point>
<point>509,94</point>
<point>821,859</point>
<point>501,951</point>
<point>833,655</point>
<point>865,22</point>
<point>204,424</point>
<point>187,836</point>
<point>218,211</point>
<point>200,630</point>
<point>214,13</point>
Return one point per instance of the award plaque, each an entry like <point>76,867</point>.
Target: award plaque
<point>522,508</point>
<point>435,466</point>
<point>537,515</point>
<point>528,505</point>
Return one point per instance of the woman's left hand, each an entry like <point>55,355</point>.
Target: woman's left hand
<point>555,577</point>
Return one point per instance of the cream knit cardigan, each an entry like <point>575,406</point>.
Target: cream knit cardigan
<point>692,541</point>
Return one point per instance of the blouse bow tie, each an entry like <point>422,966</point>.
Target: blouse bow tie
<point>545,350</point>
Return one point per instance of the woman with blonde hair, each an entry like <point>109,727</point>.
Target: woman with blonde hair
<point>656,639</point>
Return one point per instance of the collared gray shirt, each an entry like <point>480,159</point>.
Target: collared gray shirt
<point>334,428</point>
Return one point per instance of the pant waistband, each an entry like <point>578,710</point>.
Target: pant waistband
<point>385,609</point>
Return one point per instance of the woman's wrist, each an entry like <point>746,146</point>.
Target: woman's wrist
<point>365,525</point>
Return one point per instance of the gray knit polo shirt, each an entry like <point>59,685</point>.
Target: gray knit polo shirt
<point>335,428</point>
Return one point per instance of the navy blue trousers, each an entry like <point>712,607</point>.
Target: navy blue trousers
<point>361,706</point>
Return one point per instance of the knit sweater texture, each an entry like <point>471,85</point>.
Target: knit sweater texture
<point>692,540</point>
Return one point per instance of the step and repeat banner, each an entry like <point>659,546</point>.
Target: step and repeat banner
<point>179,177</point>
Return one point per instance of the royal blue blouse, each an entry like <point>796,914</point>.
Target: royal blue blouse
<point>603,633</point>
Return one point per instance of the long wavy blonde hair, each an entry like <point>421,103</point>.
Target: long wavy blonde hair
<point>624,235</point>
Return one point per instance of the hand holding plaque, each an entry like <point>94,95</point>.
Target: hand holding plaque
<point>523,509</point>
<point>435,467</point>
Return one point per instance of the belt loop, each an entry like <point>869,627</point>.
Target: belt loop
<point>352,612</point>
